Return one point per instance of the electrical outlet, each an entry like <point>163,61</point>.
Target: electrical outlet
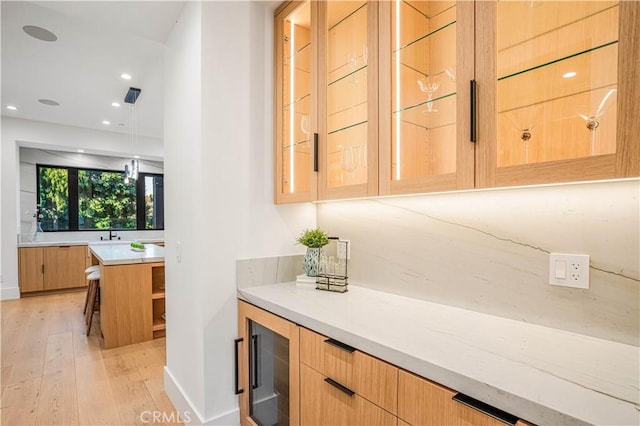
<point>343,249</point>
<point>569,270</point>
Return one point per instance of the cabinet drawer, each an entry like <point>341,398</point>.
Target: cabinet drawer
<point>422,402</point>
<point>325,404</point>
<point>367,376</point>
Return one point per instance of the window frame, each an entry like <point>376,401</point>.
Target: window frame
<point>73,197</point>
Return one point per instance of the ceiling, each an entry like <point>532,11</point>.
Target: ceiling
<point>96,42</point>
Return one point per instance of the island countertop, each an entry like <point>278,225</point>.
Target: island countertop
<point>543,375</point>
<point>122,254</point>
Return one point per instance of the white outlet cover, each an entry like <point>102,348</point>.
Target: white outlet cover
<point>569,270</point>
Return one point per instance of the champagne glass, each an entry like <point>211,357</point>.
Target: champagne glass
<point>429,86</point>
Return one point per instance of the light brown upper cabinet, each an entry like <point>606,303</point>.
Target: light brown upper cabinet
<point>419,96</point>
<point>296,101</point>
<point>348,99</point>
<point>558,91</point>
<point>426,64</point>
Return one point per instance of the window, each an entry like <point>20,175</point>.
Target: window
<point>73,199</point>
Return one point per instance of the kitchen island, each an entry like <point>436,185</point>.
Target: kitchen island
<point>132,301</point>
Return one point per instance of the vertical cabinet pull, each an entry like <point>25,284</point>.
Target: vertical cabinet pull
<point>254,340</point>
<point>43,268</point>
<point>486,409</point>
<point>339,386</point>
<point>472,111</point>
<point>236,354</point>
<point>315,152</point>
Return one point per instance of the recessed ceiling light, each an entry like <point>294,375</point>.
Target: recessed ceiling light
<point>80,150</point>
<point>136,156</point>
<point>49,102</point>
<point>105,122</point>
<point>569,74</point>
<point>115,104</point>
<point>125,76</point>
<point>39,33</point>
<point>11,107</point>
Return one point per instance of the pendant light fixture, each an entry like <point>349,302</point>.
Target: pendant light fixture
<point>131,170</point>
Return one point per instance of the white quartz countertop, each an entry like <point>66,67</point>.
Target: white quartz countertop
<point>122,254</point>
<point>83,242</point>
<point>543,375</point>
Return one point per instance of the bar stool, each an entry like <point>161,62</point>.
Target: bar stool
<point>92,293</point>
<point>88,271</point>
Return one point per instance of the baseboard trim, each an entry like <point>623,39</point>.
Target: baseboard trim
<point>189,414</point>
<point>9,293</point>
<point>180,401</point>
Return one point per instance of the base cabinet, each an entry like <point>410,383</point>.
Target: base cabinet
<point>267,368</point>
<point>51,268</point>
<point>326,402</point>
<point>290,375</point>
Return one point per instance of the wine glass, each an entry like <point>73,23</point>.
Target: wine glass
<point>429,86</point>
<point>352,62</point>
<point>304,126</point>
<point>592,121</point>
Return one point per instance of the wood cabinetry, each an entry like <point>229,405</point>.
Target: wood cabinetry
<point>325,403</point>
<point>372,379</point>
<point>287,374</point>
<point>51,268</point>
<point>31,269</point>
<point>267,368</point>
<point>553,96</point>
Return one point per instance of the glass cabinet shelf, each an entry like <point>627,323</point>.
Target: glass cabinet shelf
<point>350,73</point>
<point>347,127</point>
<point>555,61</point>
<point>424,37</point>
<point>297,101</point>
<point>341,12</point>
<point>303,50</point>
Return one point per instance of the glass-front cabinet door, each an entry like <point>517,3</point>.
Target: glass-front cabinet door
<point>426,66</point>
<point>268,377</point>
<point>295,118</point>
<point>348,99</point>
<point>562,72</point>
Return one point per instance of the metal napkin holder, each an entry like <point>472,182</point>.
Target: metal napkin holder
<point>333,276</point>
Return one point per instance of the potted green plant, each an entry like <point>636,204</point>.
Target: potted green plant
<point>313,240</point>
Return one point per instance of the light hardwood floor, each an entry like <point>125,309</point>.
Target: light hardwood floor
<point>53,374</point>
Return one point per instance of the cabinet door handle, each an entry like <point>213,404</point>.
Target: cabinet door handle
<point>340,345</point>
<point>43,268</point>
<point>472,111</point>
<point>339,386</point>
<point>254,340</point>
<point>236,353</point>
<point>486,409</point>
<point>315,152</point>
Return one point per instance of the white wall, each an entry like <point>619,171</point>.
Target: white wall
<point>229,212</point>
<point>16,133</point>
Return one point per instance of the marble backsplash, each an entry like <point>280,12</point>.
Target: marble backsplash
<point>267,270</point>
<point>488,251</point>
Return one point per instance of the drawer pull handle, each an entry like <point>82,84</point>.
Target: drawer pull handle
<point>473,114</point>
<point>340,345</point>
<point>487,409</point>
<point>339,386</point>
<point>236,354</point>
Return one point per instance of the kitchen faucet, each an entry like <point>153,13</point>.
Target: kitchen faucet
<point>112,234</point>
